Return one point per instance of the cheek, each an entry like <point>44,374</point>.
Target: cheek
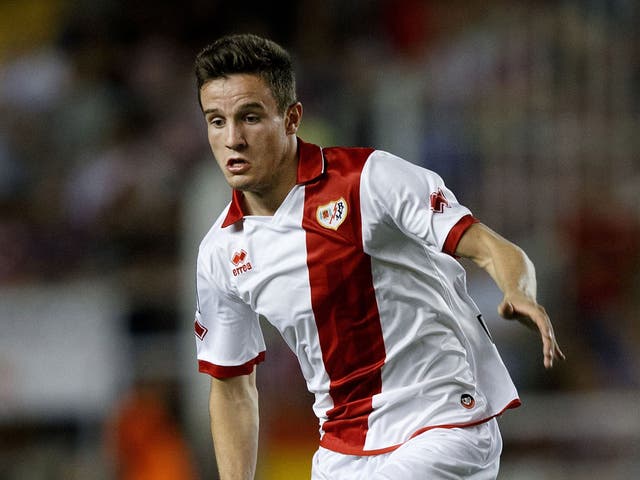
<point>214,144</point>
<point>214,140</point>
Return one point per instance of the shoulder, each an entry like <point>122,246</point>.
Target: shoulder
<point>347,157</point>
<point>394,171</point>
<point>374,161</point>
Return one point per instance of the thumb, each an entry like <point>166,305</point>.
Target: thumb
<point>506,310</point>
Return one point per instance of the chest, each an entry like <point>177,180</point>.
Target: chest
<point>303,258</point>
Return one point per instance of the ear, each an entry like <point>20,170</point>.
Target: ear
<point>293,117</point>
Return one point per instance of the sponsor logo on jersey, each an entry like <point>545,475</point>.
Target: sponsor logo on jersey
<point>239,260</point>
<point>438,201</point>
<point>332,214</point>
<point>199,329</point>
<point>467,401</point>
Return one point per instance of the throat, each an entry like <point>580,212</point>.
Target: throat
<point>265,199</point>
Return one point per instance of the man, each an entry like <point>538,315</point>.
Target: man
<point>349,253</point>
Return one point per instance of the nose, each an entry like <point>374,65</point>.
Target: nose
<point>235,137</point>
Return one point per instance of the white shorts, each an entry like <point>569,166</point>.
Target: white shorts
<point>442,453</point>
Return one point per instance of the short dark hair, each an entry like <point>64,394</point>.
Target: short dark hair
<point>249,53</point>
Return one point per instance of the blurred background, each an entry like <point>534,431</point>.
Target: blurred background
<point>529,110</point>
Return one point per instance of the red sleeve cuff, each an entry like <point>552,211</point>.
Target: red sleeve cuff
<point>219,371</point>
<point>455,234</point>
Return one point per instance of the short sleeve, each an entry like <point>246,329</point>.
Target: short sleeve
<point>229,338</point>
<point>415,199</point>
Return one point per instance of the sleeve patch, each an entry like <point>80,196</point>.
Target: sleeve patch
<point>438,201</point>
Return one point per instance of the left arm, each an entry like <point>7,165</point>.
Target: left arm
<point>514,274</point>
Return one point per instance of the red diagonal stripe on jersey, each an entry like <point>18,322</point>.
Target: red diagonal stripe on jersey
<point>344,305</point>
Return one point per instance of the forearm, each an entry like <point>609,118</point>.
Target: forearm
<point>233,407</point>
<point>508,265</point>
<point>512,270</point>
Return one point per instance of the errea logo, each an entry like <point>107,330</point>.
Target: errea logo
<point>241,263</point>
<point>238,257</point>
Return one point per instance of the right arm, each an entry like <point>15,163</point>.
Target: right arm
<point>233,408</point>
<point>515,275</point>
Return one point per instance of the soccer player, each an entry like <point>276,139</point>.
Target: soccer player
<point>350,254</point>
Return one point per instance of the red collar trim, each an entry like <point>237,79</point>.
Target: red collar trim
<point>310,162</point>
<point>311,165</point>
<point>235,209</point>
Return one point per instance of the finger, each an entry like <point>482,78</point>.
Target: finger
<point>558,352</point>
<point>549,350</point>
<point>550,346</point>
<point>554,354</point>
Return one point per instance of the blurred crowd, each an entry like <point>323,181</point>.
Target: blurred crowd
<point>99,129</point>
<point>101,135</point>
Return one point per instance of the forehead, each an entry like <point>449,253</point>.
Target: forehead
<point>234,91</point>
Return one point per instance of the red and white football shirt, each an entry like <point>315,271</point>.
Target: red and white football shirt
<point>355,270</point>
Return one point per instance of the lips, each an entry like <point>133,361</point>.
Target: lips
<point>237,165</point>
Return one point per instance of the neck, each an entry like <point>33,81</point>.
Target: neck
<point>255,203</point>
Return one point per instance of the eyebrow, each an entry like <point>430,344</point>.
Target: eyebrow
<point>243,108</point>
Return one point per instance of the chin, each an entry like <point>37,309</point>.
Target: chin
<point>240,184</point>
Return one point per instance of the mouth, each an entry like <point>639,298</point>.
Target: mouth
<point>237,165</point>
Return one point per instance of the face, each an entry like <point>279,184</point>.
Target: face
<point>254,145</point>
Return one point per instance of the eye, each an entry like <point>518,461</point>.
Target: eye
<point>217,122</point>
<point>252,118</point>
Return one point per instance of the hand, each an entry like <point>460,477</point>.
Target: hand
<point>529,313</point>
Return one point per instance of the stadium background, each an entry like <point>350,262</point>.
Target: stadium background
<point>529,110</point>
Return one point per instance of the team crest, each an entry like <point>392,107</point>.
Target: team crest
<point>332,214</point>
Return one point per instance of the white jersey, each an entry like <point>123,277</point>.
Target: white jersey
<point>355,270</point>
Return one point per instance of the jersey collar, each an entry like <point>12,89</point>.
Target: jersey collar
<point>311,165</point>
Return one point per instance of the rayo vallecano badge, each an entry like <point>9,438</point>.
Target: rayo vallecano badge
<point>332,214</point>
